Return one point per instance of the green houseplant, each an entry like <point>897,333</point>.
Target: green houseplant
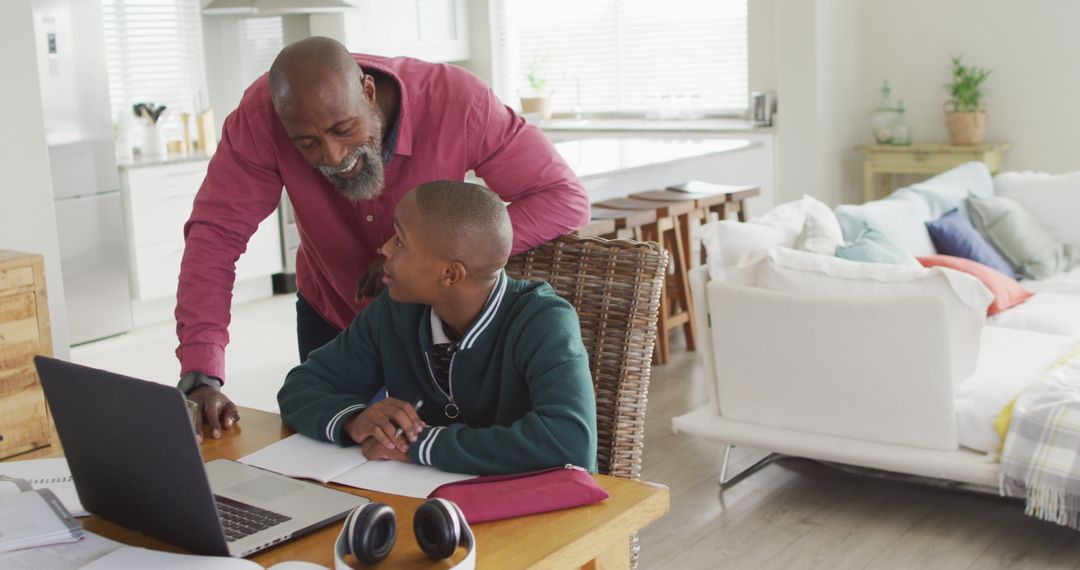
<point>537,99</point>
<point>965,114</point>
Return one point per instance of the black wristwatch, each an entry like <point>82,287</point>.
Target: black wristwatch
<point>193,380</point>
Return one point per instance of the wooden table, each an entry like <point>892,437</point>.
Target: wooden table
<point>923,158</point>
<point>596,536</point>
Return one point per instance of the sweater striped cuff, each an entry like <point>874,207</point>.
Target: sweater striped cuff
<point>424,445</point>
<point>334,427</point>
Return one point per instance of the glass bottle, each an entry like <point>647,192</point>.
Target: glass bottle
<point>884,117</point>
<point>901,132</point>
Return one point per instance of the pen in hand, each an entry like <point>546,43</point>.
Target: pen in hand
<point>416,406</point>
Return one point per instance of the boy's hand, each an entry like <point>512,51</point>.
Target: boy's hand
<point>381,421</point>
<point>374,451</point>
<point>370,283</point>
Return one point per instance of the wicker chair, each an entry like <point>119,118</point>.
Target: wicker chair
<point>615,287</point>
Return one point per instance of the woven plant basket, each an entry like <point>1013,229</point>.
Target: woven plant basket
<point>966,129</point>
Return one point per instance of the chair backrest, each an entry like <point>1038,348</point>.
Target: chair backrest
<point>615,287</point>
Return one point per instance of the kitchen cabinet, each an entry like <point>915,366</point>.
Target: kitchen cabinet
<point>24,333</point>
<point>158,199</point>
<point>432,30</point>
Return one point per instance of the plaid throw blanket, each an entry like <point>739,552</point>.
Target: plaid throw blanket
<point>1041,458</point>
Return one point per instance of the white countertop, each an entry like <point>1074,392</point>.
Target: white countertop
<point>666,125</point>
<point>599,157</point>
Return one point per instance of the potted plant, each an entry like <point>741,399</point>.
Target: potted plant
<point>965,114</point>
<point>538,98</point>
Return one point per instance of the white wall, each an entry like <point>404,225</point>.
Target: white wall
<point>27,218</point>
<point>831,56</point>
<point>1031,47</point>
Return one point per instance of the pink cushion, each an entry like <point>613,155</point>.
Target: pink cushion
<point>1007,291</point>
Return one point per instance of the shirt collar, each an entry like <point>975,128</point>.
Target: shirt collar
<point>403,127</point>
<point>487,314</point>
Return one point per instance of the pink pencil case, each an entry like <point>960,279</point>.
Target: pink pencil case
<point>495,497</point>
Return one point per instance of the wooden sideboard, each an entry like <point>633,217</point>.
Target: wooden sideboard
<point>924,158</point>
<point>24,332</point>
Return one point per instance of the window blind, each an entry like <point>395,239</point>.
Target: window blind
<point>154,53</point>
<point>671,59</point>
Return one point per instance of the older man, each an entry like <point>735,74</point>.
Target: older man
<point>347,136</point>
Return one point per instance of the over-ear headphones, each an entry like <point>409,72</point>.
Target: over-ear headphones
<point>370,531</point>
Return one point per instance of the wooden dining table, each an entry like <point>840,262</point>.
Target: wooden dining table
<point>594,536</point>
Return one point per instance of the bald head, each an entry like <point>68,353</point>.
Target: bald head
<point>470,222</point>
<point>311,64</point>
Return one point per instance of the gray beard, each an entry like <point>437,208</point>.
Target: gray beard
<point>368,183</point>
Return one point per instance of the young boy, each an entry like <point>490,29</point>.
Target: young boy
<point>485,374</point>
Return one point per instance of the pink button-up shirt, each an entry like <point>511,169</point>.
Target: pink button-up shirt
<point>449,122</point>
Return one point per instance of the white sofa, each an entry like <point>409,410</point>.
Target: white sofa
<point>902,381</point>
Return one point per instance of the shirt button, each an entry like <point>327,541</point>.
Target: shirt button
<point>370,217</point>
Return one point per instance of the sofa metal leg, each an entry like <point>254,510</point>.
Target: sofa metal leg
<point>726,483</point>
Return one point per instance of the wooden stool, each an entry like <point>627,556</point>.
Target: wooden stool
<point>596,228</point>
<point>704,204</point>
<point>735,196</point>
<point>627,223</point>
<point>676,304</point>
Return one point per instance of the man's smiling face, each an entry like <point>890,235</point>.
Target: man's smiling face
<point>334,122</point>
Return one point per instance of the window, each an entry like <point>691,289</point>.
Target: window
<point>670,59</point>
<point>154,52</point>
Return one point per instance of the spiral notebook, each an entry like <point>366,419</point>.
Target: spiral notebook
<point>34,474</point>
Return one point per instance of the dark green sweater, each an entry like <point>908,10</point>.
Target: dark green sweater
<point>519,375</point>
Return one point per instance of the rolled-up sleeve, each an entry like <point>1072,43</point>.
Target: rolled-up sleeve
<point>519,163</point>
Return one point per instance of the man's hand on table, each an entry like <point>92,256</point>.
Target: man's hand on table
<point>378,426</point>
<point>216,411</point>
<point>370,283</point>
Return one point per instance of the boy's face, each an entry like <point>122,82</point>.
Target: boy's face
<point>412,270</point>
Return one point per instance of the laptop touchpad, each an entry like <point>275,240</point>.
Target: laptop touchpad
<point>265,488</point>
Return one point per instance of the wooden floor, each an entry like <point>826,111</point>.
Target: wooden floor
<point>802,514</point>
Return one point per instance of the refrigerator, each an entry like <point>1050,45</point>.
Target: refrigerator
<point>70,38</point>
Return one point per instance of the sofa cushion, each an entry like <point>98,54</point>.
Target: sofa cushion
<point>954,235</point>
<point>873,247</point>
<point>1027,246</point>
<point>901,217</point>
<point>727,242</point>
<point>1010,360</point>
<point>1052,313</point>
<point>793,215</point>
<point>1007,291</point>
<point>951,188</point>
<point>818,236</point>
<point>965,298</point>
<point>1052,199</point>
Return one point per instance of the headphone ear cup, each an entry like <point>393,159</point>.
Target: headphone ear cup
<point>437,530</point>
<point>372,532</point>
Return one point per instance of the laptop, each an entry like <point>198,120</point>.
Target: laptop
<point>134,460</point>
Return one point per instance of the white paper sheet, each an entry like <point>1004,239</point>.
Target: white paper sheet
<point>301,456</point>
<point>396,478</point>
<point>130,558</point>
<point>70,556</point>
<point>51,473</point>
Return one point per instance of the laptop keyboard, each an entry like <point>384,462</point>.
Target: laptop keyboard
<point>240,519</point>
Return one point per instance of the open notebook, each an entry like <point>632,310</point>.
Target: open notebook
<point>301,456</point>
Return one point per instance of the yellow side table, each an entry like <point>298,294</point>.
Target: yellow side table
<point>923,158</point>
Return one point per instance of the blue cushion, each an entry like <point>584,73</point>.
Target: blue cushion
<point>873,247</point>
<point>954,235</point>
<point>951,188</point>
<point>901,217</point>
